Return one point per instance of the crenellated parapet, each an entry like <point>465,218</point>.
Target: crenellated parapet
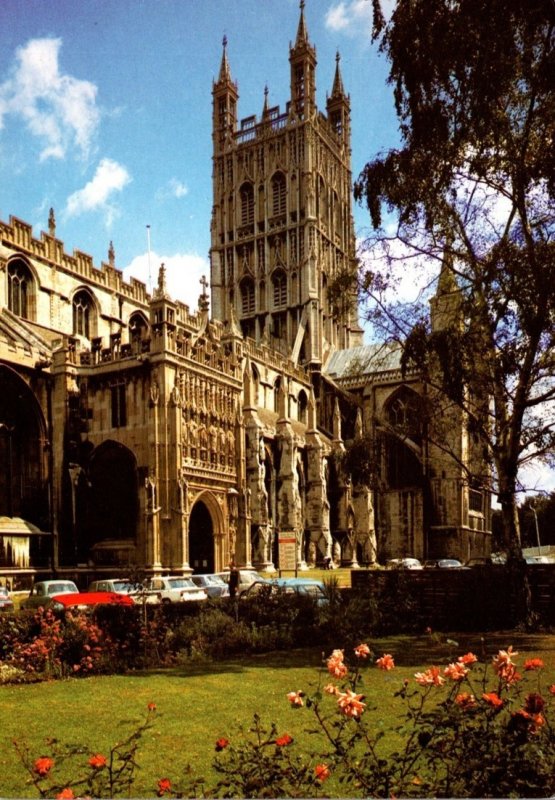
<point>49,250</point>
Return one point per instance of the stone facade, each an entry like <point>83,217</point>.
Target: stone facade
<point>136,433</point>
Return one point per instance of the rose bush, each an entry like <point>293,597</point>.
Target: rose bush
<point>471,728</point>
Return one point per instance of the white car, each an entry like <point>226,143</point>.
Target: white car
<point>117,585</point>
<point>43,591</point>
<point>172,589</point>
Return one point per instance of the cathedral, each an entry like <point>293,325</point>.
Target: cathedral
<point>139,434</point>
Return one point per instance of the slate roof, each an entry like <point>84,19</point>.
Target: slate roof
<point>367,359</point>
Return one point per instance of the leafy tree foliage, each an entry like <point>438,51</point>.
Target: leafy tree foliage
<point>471,188</point>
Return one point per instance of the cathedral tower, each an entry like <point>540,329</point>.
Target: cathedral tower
<point>282,228</point>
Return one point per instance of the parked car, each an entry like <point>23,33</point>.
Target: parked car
<point>539,559</point>
<point>443,563</point>
<point>213,585</point>
<point>246,577</point>
<point>403,563</point>
<point>121,586</point>
<point>6,602</point>
<point>172,589</point>
<point>43,591</point>
<point>88,600</point>
<point>304,586</point>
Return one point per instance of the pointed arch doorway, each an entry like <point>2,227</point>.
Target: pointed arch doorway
<point>201,539</point>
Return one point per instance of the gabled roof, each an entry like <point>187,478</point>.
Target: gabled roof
<point>21,333</point>
<point>365,360</point>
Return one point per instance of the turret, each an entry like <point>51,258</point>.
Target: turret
<point>338,106</point>
<point>224,103</point>
<point>302,58</point>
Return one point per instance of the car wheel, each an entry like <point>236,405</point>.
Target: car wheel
<point>166,601</point>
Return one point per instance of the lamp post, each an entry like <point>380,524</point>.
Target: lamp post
<point>537,528</point>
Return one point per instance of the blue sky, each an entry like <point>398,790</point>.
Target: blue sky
<point>105,113</point>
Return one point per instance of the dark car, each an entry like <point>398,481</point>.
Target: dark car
<point>303,586</point>
<point>43,591</point>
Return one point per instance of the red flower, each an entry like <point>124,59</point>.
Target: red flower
<point>552,689</point>
<point>151,706</point>
<point>221,744</point>
<point>533,663</point>
<point>283,741</point>
<point>43,765</point>
<point>65,794</point>
<point>322,772</point>
<point>492,699</point>
<point>97,761</point>
<point>164,785</point>
<point>386,662</point>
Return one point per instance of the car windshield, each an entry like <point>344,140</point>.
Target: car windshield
<point>122,586</point>
<point>180,583</point>
<point>61,588</point>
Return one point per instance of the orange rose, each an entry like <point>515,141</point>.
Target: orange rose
<point>386,662</point>
<point>350,703</point>
<point>43,765</point>
<point>322,772</point>
<point>97,761</point>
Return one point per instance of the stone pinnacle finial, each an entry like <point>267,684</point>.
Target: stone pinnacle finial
<point>111,254</point>
<point>51,223</point>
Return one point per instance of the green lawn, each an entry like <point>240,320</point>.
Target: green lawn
<point>201,702</point>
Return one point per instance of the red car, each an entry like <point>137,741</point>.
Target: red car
<point>84,600</point>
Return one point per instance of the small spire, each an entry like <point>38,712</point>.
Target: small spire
<point>203,302</point>
<point>111,255</point>
<point>265,109</point>
<point>51,223</point>
<point>338,90</point>
<point>225,71</point>
<point>302,33</point>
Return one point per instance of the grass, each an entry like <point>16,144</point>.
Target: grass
<point>200,702</point>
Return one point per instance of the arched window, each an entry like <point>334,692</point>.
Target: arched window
<point>83,309</point>
<point>302,404</point>
<point>247,297</point>
<point>403,413</point>
<point>279,194</point>
<point>247,204</point>
<point>20,285</point>
<point>277,389</point>
<point>279,282</point>
<point>138,328</point>
<point>255,385</point>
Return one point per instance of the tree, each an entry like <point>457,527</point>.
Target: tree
<point>472,187</point>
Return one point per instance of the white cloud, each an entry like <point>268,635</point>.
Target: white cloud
<point>109,177</point>
<point>350,17</point>
<point>183,274</point>
<point>58,109</point>
<point>173,188</point>
<point>354,17</point>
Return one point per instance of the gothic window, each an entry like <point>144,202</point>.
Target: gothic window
<point>261,255</point>
<point>302,406</point>
<point>83,314</point>
<point>279,282</point>
<point>277,389</point>
<point>20,284</point>
<point>403,413</point>
<point>255,385</point>
<point>247,204</point>
<point>278,194</point>
<point>119,406</point>
<point>247,297</point>
<point>138,328</point>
